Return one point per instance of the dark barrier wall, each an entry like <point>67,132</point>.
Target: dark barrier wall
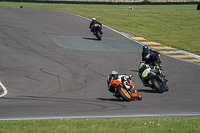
<point>198,7</point>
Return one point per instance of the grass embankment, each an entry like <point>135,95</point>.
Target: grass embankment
<point>162,125</point>
<point>174,25</point>
<point>0,90</point>
<point>177,26</point>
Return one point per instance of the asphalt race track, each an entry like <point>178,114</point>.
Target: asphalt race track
<point>53,67</point>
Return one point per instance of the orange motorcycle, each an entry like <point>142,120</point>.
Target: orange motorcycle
<point>126,94</point>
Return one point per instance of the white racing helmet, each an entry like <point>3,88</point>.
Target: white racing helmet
<point>93,18</point>
<point>114,72</point>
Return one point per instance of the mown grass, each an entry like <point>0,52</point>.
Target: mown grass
<point>177,26</point>
<point>0,90</point>
<point>136,125</point>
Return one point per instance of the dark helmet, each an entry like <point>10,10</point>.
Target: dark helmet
<point>145,53</point>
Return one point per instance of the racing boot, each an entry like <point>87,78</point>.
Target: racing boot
<point>101,32</point>
<point>147,85</point>
<point>116,94</point>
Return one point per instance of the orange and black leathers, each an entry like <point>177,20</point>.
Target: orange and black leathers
<point>127,85</point>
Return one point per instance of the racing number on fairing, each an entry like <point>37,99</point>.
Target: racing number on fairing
<point>146,72</point>
<point>125,93</point>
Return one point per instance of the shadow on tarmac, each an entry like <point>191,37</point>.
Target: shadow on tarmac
<point>87,38</point>
<point>111,99</point>
<point>147,91</point>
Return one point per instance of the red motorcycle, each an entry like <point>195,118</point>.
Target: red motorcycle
<point>125,93</point>
<point>97,31</point>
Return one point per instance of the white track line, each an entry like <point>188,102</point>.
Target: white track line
<point>4,90</point>
<point>195,114</point>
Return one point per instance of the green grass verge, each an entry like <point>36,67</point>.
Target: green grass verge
<point>151,125</point>
<point>0,90</point>
<point>177,26</point>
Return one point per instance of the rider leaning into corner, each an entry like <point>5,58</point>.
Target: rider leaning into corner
<point>144,69</point>
<point>123,78</point>
<point>94,21</point>
<point>146,56</point>
<point>149,64</point>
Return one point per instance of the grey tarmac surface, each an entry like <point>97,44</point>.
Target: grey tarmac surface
<point>51,71</point>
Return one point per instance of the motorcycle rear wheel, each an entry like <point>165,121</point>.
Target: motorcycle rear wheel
<point>157,85</point>
<point>124,93</point>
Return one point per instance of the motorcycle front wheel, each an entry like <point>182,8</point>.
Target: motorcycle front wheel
<point>124,93</point>
<point>139,97</point>
<point>98,35</point>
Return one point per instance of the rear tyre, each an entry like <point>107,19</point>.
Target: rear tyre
<point>157,85</point>
<point>124,93</point>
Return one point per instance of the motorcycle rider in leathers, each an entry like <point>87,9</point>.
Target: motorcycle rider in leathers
<point>113,76</point>
<point>123,78</point>
<point>94,21</point>
<point>126,82</point>
<point>144,70</point>
<point>147,52</point>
